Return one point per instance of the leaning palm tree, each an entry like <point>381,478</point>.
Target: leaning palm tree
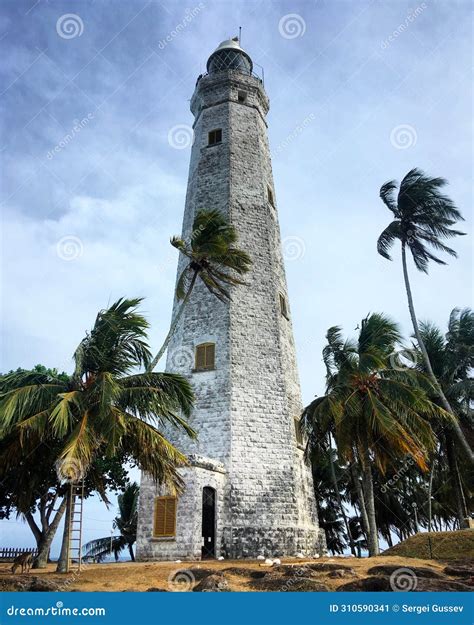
<point>213,258</point>
<point>125,522</point>
<point>377,413</point>
<point>423,217</point>
<point>106,406</point>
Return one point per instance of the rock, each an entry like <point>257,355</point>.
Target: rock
<point>273,582</point>
<point>269,562</point>
<point>299,555</point>
<point>328,566</point>
<point>260,557</point>
<point>213,583</point>
<point>419,571</point>
<point>198,573</point>
<point>177,561</point>
<point>381,583</point>
<point>153,589</point>
<point>277,561</point>
<point>254,574</point>
<point>38,584</point>
<point>342,573</point>
<point>460,570</point>
<point>220,558</point>
<point>368,584</point>
<point>316,556</point>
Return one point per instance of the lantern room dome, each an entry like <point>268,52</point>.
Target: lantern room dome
<point>229,55</point>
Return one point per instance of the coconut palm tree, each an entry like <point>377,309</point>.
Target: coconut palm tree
<point>452,360</point>
<point>107,407</point>
<point>125,522</point>
<point>377,412</point>
<point>423,217</point>
<point>213,258</point>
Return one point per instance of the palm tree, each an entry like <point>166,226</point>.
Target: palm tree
<point>213,258</point>
<point>452,360</point>
<point>377,413</point>
<point>423,217</point>
<point>125,522</point>
<point>106,407</point>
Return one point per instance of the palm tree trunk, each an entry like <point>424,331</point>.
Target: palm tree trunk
<point>461,512</point>
<point>430,494</point>
<point>339,500</point>
<point>372,539</point>
<point>130,551</point>
<point>454,426</point>
<point>64,555</point>
<point>44,544</point>
<point>360,499</point>
<point>174,324</point>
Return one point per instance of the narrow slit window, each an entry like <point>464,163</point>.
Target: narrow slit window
<point>215,136</point>
<point>283,306</point>
<point>299,433</point>
<point>164,524</point>
<point>242,97</point>
<point>205,357</point>
<point>270,196</point>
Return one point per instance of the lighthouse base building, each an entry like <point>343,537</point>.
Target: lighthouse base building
<point>248,490</point>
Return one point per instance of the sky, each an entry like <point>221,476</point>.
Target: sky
<point>95,161</point>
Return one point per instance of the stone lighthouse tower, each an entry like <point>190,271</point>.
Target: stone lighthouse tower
<point>247,490</point>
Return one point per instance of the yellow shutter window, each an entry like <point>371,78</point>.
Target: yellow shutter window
<point>165,517</point>
<point>205,356</point>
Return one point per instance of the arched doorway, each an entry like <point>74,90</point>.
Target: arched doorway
<point>208,522</point>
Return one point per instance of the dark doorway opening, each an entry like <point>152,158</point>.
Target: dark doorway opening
<point>208,523</point>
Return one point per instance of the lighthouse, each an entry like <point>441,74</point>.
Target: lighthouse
<point>247,490</point>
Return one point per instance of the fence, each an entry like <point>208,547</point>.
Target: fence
<point>10,553</point>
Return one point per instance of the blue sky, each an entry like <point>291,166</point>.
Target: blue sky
<point>360,93</point>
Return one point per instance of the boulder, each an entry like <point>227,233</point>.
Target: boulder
<point>213,583</point>
<point>381,583</point>
<point>153,589</point>
<point>460,570</point>
<point>39,584</point>
<point>419,571</point>
<point>273,582</point>
<point>252,573</point>
<point>338,573</point>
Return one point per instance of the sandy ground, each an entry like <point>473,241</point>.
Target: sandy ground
<point>140,576</point>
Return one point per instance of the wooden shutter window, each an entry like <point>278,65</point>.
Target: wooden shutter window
<point>205,357</point>
<point>165,517</point>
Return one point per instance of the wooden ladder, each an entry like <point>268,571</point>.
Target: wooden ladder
<point>76,500</point>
